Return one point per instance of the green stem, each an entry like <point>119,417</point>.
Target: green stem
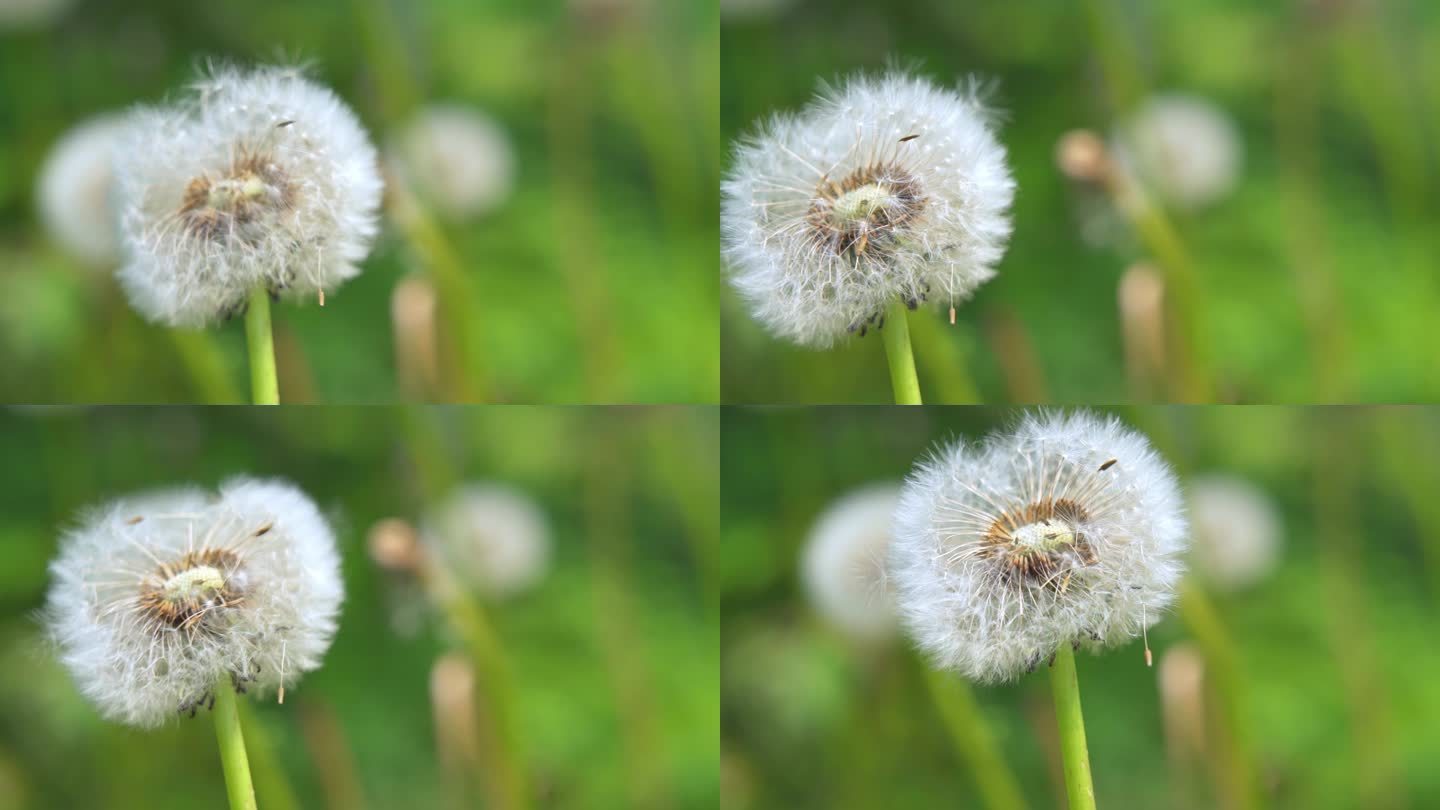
<point>232,747</point>
<point>205,365</point>
<point>1072,730</point>
<point>897,350</point>
<point>1226,684</point>
<point>973,742</point>
<point>496,690</point>
<point>260,342</point>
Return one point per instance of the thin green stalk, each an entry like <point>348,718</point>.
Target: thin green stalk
<point>944,361</point>
<point>1072,730</point>
<point>206,366</point>
<point>496,687</point>
<point>260,343</point>
<point>1223,665</point>
<point>971,737</point>
<point>270,778</point>
<point>232,747</point>
<point>896,335</point>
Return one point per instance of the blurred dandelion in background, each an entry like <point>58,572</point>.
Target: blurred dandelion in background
<point>1236,531</point>
<point>456,158</point>
<point>76,188</point>
<point>492,538</point>
<point>1184,147</point>
<point>843,563</point>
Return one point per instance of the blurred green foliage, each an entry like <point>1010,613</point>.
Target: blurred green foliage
<point>1336,647</point>
<point>1317,275</point>
<point>613,652</point>
<point>594,282</point>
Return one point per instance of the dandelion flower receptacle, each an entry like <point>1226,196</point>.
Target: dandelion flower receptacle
<point>885,191</point>
<point>158,599</point>
<point>1066,532</point>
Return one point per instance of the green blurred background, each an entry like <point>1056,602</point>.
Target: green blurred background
<point>594,282</point>
<point>1335,652</point>
<point>1317,276</point>
<point>613,652</point>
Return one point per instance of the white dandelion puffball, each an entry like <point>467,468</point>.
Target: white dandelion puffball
<point>843,567</point>
<point>1237,531</point>
<point>256,179</point>
<point>1185,148</point>
<point>455,157</point>
<point>74,190</point>
<point>491,537</point>
<point>158,598</point>
<point>882,189</point>
<point>1069,530</point>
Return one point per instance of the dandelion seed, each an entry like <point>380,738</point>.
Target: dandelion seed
<point>493,538</point>
<point>1237,531</point>
<point>843,566</point>
<point>149,615</point>
<point>883,189</point>
<point>1067,531</point>
<point>1185,148</point>
<point>456,158</point>
<point>256,179</point>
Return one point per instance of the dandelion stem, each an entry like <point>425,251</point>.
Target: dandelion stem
<point>1072,730</point>
<point>232,747</point>
<point>973,741</point>
<point>897,350</point>
<point>260,341</point>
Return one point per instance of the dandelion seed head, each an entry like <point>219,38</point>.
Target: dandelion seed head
<point>1236,529</point>
<point>157,597</point>
<point>456,158</point>
<point>884,188</point>
<point>75,187</point>
<point>843,567</point>
<point>494,538</point>
<point>1186,148</point>
<point>255,178</point>
<point>1067,530</point>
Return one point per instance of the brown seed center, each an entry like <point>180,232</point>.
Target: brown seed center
<point>1042,543</point>
<point>182,594</point>
<point>865,209</point>
<point>251,188</point>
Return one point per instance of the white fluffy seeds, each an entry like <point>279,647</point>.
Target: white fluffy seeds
<point>259,178</point>
<point>1067,531</point>
<point>882,189</point>
<point>1237,531</point>
<point>491,537</point>
<point>157,598</point>
<point>456,158</point>
<point>843,567</point>
<point>1185,148</point>
<point>75,188</point>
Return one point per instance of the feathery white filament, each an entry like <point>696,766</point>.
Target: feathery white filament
<point>75,188</point>
<point>258,178</point>
<point>493,537</point>
<point>1236,531</point>
<point>157,597</point>
<point>455,157</point>
<point>1068,530</point>
<point>843,566</point>
<point>882,189</point>
<point>1184,147</point>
